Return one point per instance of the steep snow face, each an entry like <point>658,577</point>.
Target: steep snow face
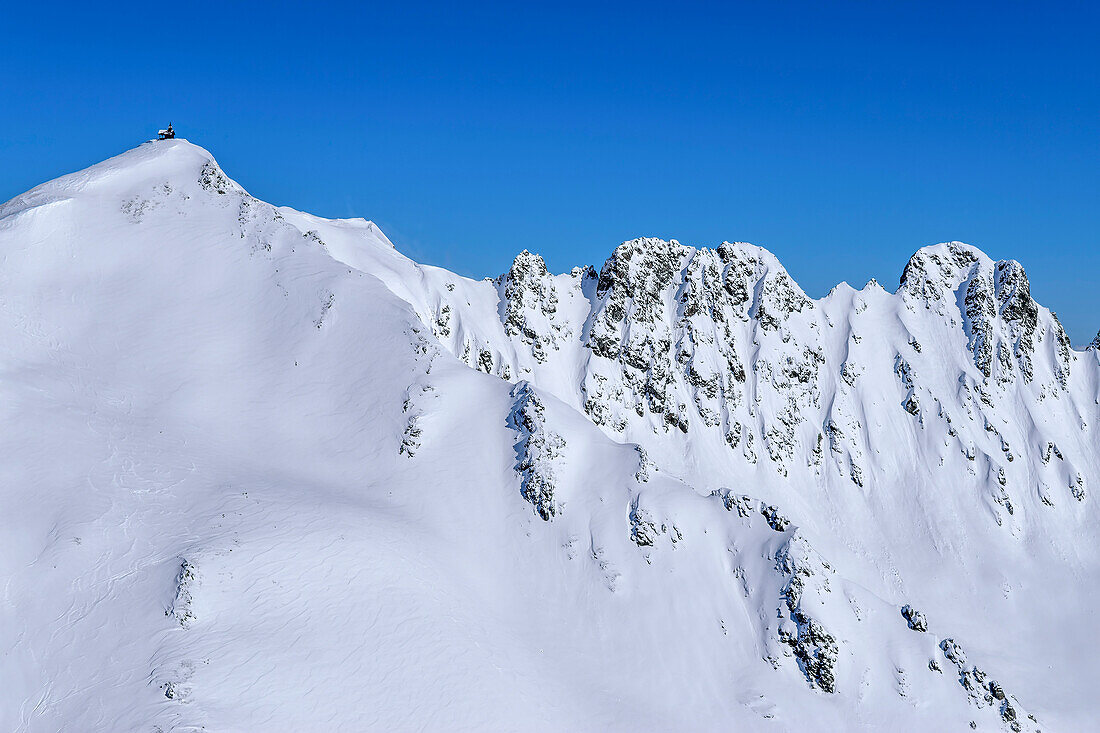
<point>263,472</point>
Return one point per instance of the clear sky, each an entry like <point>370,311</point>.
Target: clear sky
<point>841,136</point>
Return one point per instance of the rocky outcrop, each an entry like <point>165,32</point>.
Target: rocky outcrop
<point>675,331</point>
<point>529,301</point>
<point>187,582</point>
<point>917,621</point>
<point>669,344</point>
<point>1003,324</point>
<point>538,449</point>
<point>212,180</point>
<point>985,692</point>
<point>813,645</point>
<point>669,341</point>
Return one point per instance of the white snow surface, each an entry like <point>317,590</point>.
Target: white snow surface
<point>264,473</point>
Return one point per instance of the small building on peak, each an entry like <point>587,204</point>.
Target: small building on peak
<point>166,134</point>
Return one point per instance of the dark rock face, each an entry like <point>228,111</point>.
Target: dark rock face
<point>528,290</point>
<point>643,531</point>
<point>680,324</point>
<point>917,621</point>
<point>931,274</point>
<point>980,312</point>
<point>813,646</point>
<point>740,503</point>
<point>536,451</point>
<point>1018,311</point>
<point>213,180</point>
<point>1000,319</point>
<point>775,520</point>
<point>985,692</point>
<point>187,582</point>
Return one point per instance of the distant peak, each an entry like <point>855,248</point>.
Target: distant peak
<point>938,269</point>
<point>934,271</point>
<point>947,260</point>
<point>526,266</point>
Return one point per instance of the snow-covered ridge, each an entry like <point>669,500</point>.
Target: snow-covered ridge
<point>682,494</point>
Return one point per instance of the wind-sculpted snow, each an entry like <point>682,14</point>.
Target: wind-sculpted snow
<point>265,473</point>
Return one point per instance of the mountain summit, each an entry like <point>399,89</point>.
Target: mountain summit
<point>263,472</point>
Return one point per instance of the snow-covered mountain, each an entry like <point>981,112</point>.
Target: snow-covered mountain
<point>263,472</point>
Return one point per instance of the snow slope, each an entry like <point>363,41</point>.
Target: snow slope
<point>262,472</point>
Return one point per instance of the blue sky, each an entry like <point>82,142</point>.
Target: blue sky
<point>841,136</point>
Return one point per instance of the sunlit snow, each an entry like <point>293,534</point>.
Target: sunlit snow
<point>264,473</point>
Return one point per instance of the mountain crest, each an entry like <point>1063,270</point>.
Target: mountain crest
<point>806,509</point>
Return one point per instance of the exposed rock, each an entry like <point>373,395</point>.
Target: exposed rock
<point>537,450</point>
<point>815,648</point>
<point>213,180</point>
<point>775,520</point>
<point>917,621</point>
<point>643,531</point>
<point>530,302</point>
<point>187,581</point>
<point>984,692</point>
